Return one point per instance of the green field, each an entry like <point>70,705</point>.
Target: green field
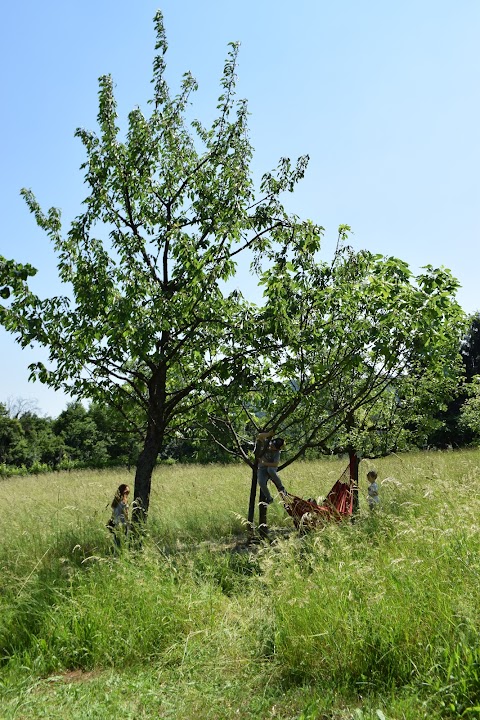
<point>377,619</point>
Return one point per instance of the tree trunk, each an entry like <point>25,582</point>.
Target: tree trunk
<point>253,494</point>
<point>262,508</point>
<point>354,463</point>
<point>262,516</point>
<point>143,476</point>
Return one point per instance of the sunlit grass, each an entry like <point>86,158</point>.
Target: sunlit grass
<point>380,615</point>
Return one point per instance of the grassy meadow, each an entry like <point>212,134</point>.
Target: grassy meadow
<point>370,620</point>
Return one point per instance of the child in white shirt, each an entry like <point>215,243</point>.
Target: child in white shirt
<point>372,498</point>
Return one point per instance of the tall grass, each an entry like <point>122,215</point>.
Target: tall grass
<point>379,616</point>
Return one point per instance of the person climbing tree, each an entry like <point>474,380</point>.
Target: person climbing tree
<point>268,462</point>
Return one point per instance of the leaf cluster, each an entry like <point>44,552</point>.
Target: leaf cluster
<point>361,353</point>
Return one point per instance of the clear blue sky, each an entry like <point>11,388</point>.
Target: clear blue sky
<point>383,96</point>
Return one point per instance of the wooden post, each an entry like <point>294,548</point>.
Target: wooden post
<point>354,463</point>
<point>262,508</point>
<point>262,516</point>
<point>251,504</point>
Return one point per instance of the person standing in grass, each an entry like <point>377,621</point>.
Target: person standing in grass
<point>372,497</point>
<point>119,522</point>
<point>268,462</point>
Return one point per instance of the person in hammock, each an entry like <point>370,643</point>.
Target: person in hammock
<point>268,455</point>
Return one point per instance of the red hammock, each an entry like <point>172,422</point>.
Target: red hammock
<point>337,505</point>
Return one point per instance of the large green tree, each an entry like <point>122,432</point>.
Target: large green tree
<point>11,435</point>
<point>470,410</point>
<point>452,428</point>
<point>361,355</point>
<point>470,349</point>
<point>147,321</point>
<point>84,441</point>
<point>27,439</point>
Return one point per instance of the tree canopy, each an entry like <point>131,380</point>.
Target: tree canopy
<point>361,354</point>
<point>146,321</point>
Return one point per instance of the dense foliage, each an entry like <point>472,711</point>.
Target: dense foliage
<point>79,437</point>
<point>98,436</point>
<point>362,354</point>
<point>458,424</point>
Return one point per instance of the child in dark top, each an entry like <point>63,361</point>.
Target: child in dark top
<point>119,523</point>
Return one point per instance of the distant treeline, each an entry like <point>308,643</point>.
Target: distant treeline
<point>79,437</point>
<point>99,437</point>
